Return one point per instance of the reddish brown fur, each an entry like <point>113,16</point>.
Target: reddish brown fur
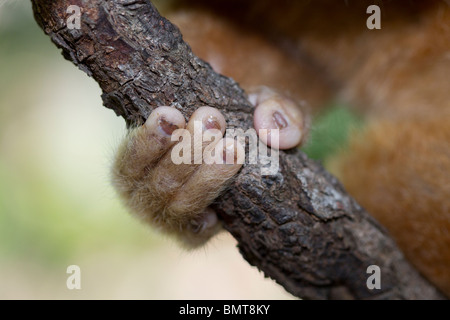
<point>404,168</point>
<point>226,46</point>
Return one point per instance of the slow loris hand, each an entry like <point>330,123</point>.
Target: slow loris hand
<point>175,197</point>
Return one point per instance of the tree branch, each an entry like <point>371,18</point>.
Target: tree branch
<point>299,227</point>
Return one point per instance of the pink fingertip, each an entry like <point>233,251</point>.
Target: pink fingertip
<point>167,119</point>
<point>211,118</point>
<point>281,114</point>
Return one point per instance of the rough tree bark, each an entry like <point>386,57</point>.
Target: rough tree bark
<point>299,227</point>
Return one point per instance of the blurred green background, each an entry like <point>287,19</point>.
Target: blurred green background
<point>57,207</point>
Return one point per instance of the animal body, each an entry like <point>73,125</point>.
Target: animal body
<point>397,77</point>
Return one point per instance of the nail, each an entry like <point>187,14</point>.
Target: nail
<point>280,121</point>
<point>166,126</point>
<point>211,123</point>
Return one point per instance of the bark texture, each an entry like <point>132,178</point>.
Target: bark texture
<point>299,227</point>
